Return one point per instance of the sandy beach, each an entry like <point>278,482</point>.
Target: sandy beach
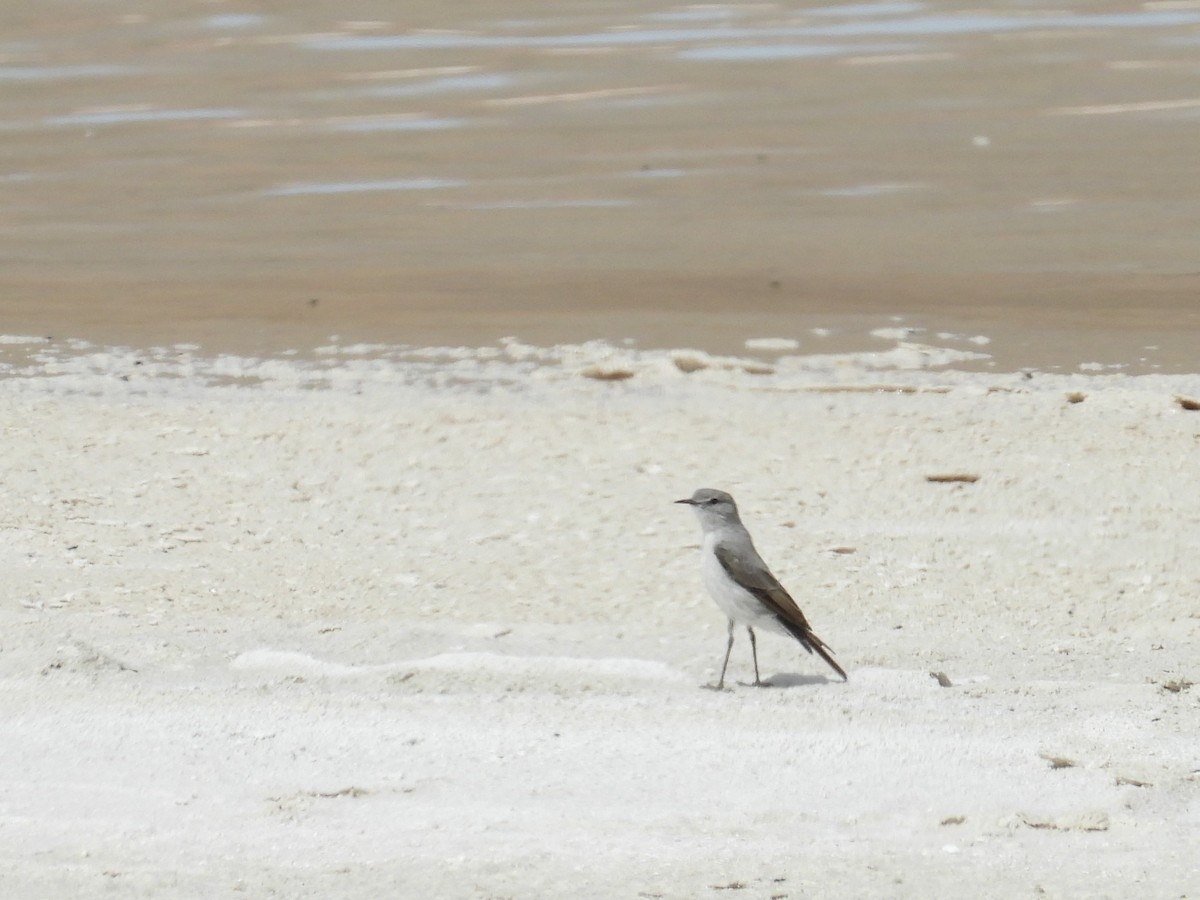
<point>417,623</point>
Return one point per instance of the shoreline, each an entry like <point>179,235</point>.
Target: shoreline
<point>1048,342</point>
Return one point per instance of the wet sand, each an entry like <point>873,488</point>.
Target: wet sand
<point>259,179</point>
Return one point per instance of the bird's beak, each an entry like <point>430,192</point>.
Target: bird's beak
<point>689,502</point>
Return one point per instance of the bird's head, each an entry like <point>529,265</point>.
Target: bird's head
<point>712,506</point>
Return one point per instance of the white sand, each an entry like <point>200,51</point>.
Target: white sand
<point>426,624</point>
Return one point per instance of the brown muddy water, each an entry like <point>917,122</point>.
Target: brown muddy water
<point>259,175</point>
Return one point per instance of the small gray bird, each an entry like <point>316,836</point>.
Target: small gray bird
<point>741,583</point>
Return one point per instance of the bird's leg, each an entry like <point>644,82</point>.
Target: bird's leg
<point>720,685</point>
<point>754,653</point>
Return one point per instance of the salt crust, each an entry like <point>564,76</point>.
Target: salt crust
<point>379,621</point>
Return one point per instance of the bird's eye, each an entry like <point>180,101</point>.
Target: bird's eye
<point>711,501</point>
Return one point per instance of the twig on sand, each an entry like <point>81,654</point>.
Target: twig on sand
<point>1058,762</point>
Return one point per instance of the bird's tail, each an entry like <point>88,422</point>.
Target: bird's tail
<point>812,643</point>
<point>824,653</point>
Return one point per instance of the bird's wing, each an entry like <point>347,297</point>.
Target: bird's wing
<point>746,567</point>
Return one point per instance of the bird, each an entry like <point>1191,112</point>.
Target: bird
<point>742,585</point>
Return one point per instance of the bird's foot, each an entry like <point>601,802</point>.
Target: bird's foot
<point>715,687</point>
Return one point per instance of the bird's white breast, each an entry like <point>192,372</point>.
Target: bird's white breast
<point>735,601</point>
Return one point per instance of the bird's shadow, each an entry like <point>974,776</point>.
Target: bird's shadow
<point>791,679</point>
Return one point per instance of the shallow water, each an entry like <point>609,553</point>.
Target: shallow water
<point>358,187</point>
<point>671,173</point>
<point>862,23</point>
